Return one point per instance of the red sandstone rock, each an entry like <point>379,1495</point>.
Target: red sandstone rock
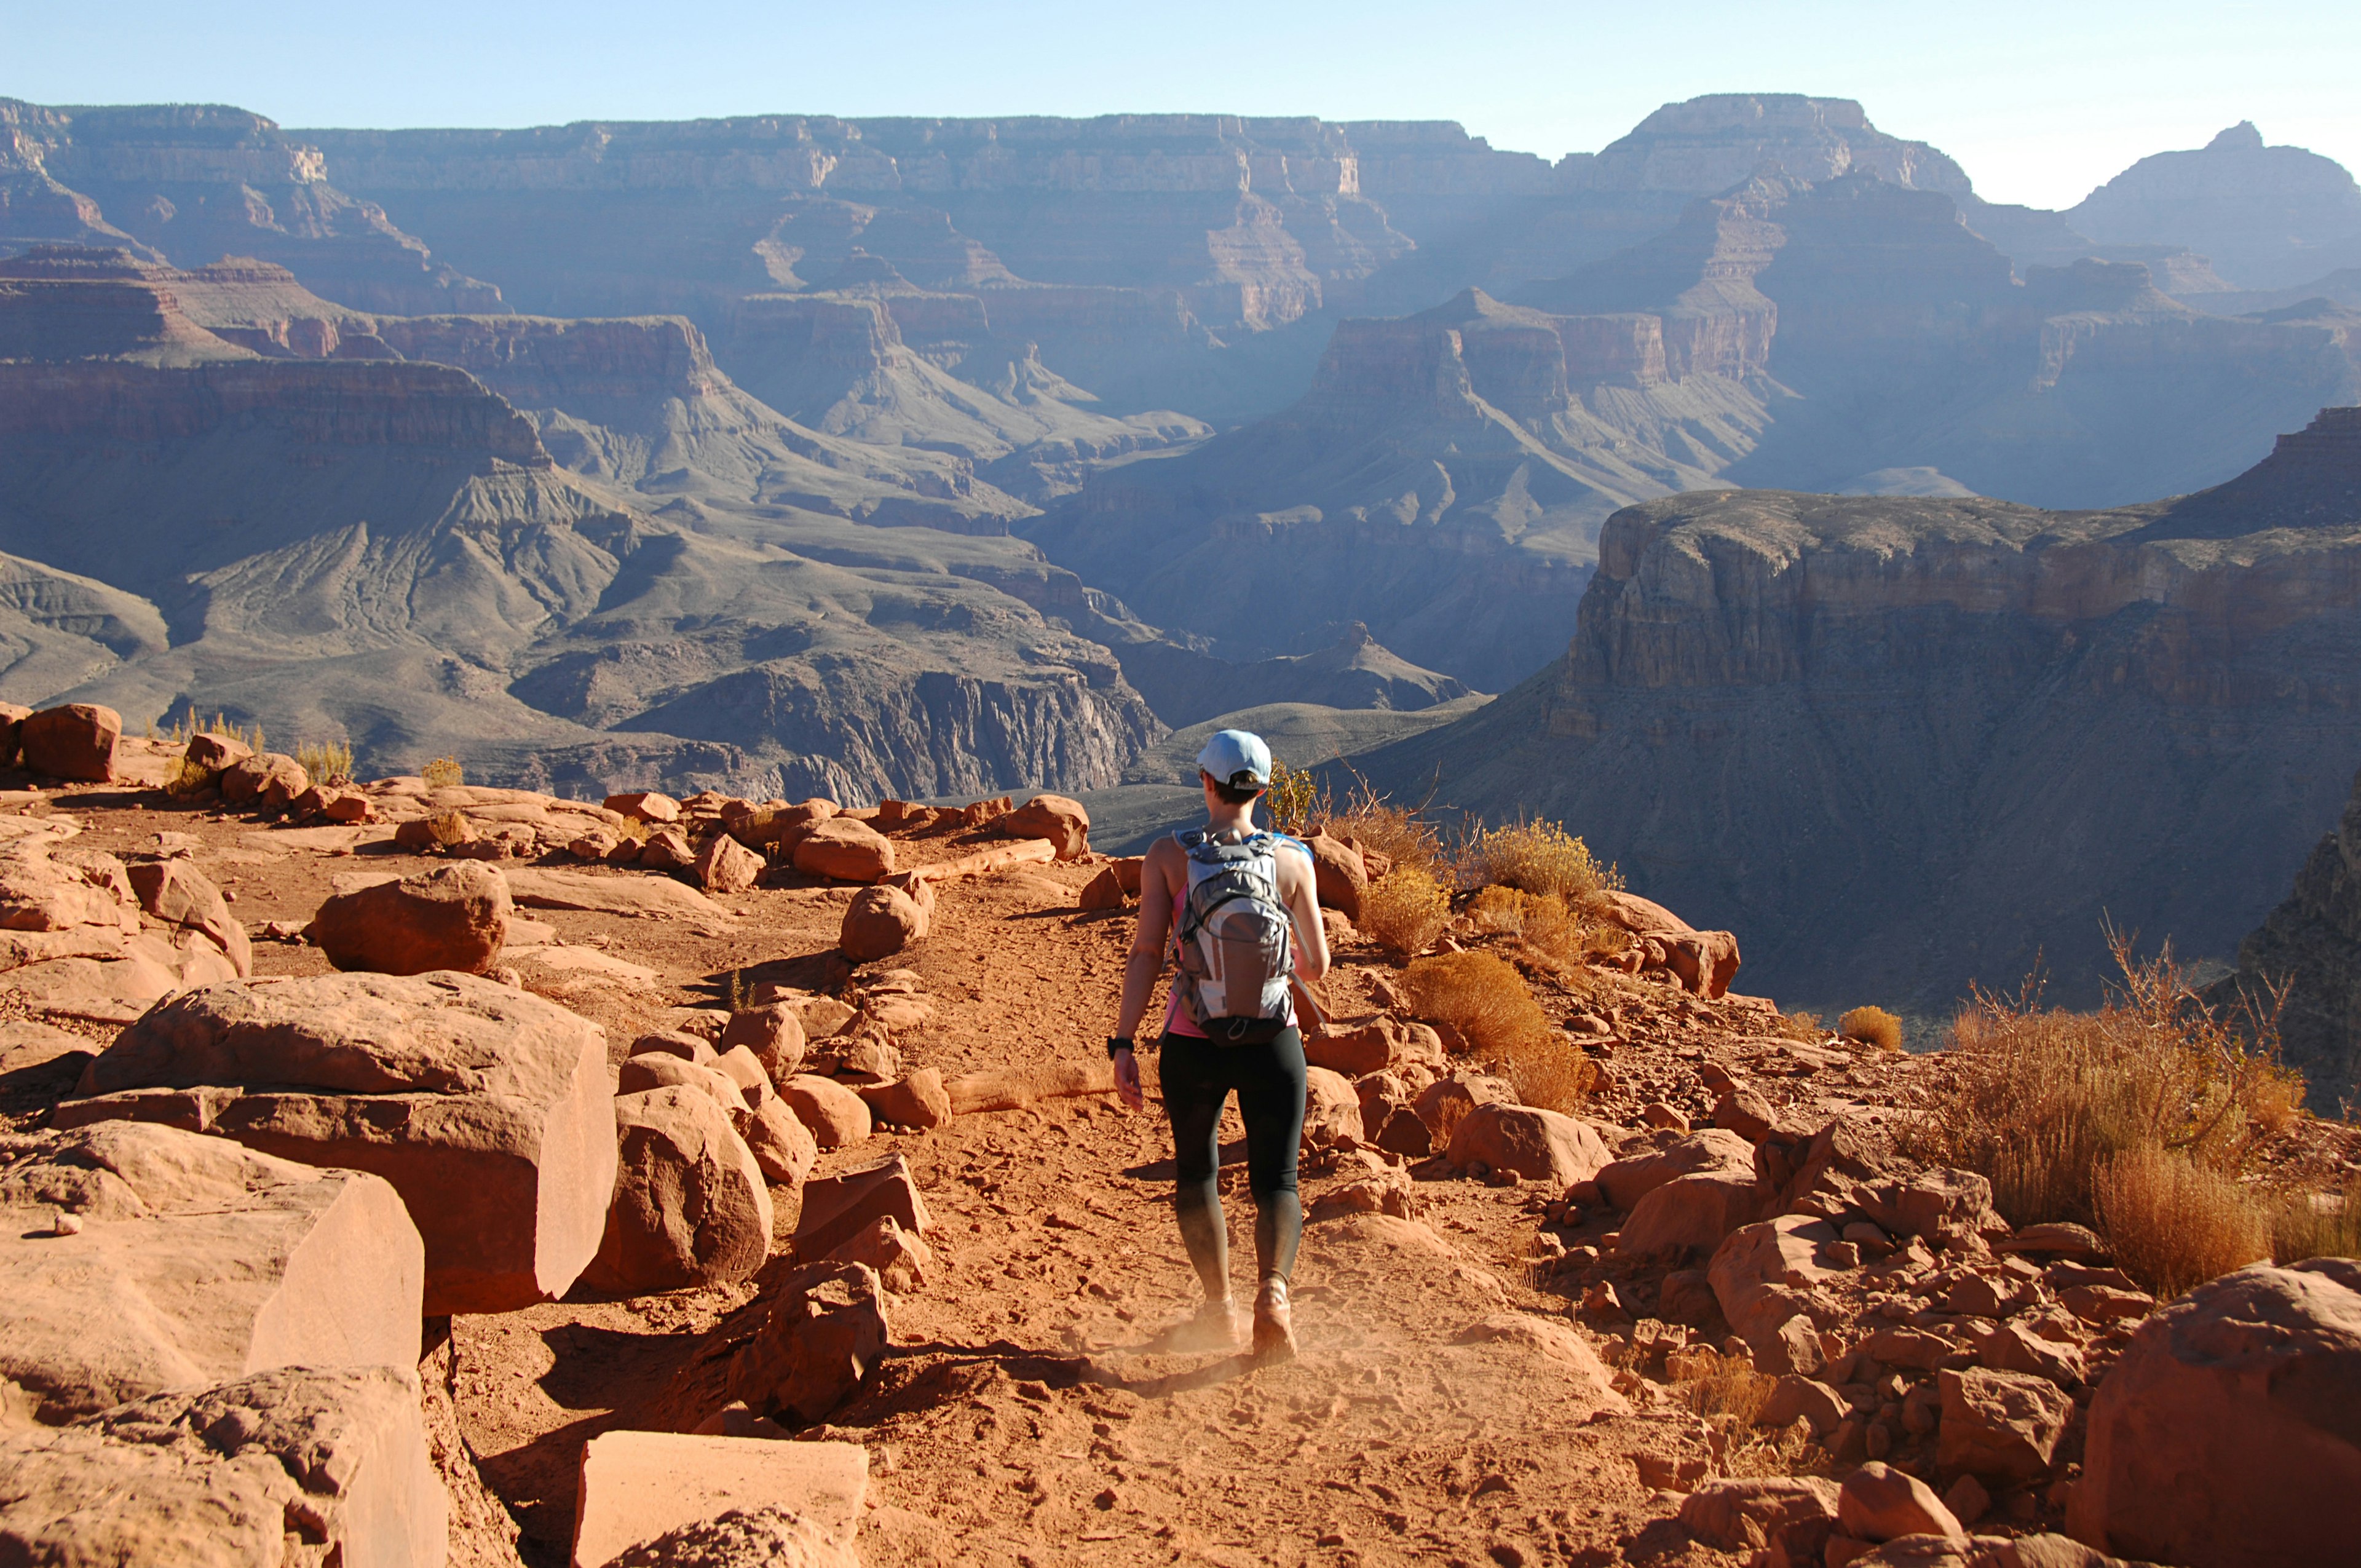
<point>1747,1514</point>
<point>1374,1046</point>
<point>486,1107</point>
<point>724,865</point>
<point>214,754</point>
<point>11,732</point>
<point>2224,1436</point>
<point>901,1259</point>
<point>1444,1104</point>
<point>918,1098</point>
<point>196,1261</point>
<point>1008,1088</point>
<point>666,850</point>
<point>845,849</point>
<point>179,894</point>
<point>645,805</point>
<point>1540,1145</point>
<point>636,1487</point>
<point>773,1032</point>
<point>836,1115</point>
<point>220,1477</point>
<point>1057,817</point>
<point>879,923</point>
<point>1341,877</point>
<point>2000,1426</point>
<point>1760,1275</point>
<point>452,917</point>
<point>1626,1181</point>
<point>1103,890</point>
<point>839,1207</point>
<point>1877,1503</point>
<point>1689,1214</point>
<point>1332,1115</point>
<point>690,1206</point>
<point>76,741</point>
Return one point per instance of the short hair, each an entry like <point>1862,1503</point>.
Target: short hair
<point>1231,794</point>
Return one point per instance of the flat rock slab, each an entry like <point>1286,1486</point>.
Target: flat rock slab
<point>487,1108</point>
<point>234,1475</point>
<point>197,1261</point>
<point>637,1486</point>
<point>616,895</point>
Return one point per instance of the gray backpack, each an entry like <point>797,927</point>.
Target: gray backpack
<point>1237,939</point>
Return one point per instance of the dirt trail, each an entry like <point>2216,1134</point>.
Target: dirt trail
<point>1450,1404</point>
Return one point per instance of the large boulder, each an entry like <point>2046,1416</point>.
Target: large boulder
<point>879,923</point>
<point>1761,1275</point>
<point>1057,817</point>
<point>1704,961</point>
<point>822,1333</point>
<point>270,779</point>
<point>841,1207</point>
<point>775,1033</point>
<point>645,805</point>
<point>75,741</point>
<point>486,1107</point>
<point>287,1465</point>
<point>450,917</point>
<point>1748,1513</point>
<point>836,1115</point>
<point>1340,877</point>
<point>179,894</point>
<point>2000,1426</point>
<point>843,848</point>
<point>1626,1181</point>
<point>1878,1502</point>
<point>2227,1434</point>
<point>1382,1043</point>
<point>724,865</point>
<point>194,1261</point>
<point>1538,1144</point>
<point>1332,1110</point>
<point>690,1206</point>
<point>1690,1215</point>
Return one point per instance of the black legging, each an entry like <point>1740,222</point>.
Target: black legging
<point>1198,1075</point>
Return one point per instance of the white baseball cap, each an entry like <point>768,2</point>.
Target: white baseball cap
<point>1237,758</point>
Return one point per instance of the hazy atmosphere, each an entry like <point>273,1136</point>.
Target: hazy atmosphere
<point>1040,785</point>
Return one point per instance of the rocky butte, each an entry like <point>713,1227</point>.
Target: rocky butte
<point>1908,744</point>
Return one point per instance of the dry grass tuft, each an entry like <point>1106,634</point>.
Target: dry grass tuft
<point>1713,1384</point>
<point>449,828</point>
<point>185,777</point>
<point>1537,858</point>
<point>1400,833</point>
<point>1486,1000</point>
<point>1803,1027</point>
<point>443,772</point>
<point>2175,1223</point>
<point>1872,1026</point>
<point>2139,1118</point>
<point>330,763</point>
<point>1555,935</point>
<point>1405,911</point>
<point>2318,1225</point>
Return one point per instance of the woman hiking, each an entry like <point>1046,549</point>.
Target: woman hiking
<point>1237,909</point>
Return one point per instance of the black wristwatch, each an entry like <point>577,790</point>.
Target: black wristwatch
<point>1118,1043</point>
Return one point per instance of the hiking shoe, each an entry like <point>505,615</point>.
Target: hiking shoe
<point>1274,1323</point>
<point>1214,1327</point>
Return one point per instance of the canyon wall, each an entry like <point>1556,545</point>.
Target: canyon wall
<point>1904,746</point>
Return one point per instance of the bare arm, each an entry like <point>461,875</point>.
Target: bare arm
<point>1299,886</point>
<point>1157,880</point>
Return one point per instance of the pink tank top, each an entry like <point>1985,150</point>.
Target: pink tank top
<point>1176,1021</point>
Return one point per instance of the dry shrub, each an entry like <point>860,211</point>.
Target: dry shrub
<point>184,777</point>
<point>330,763</point>
<point>2318,1225</point>
<point>448,827</point>
<point>2042,1099</point>
<point>1498,909</point>
<point>1804,1027</point>
<point>2175,1223</point>
<point>1872,1026</point>
<point>1405,911</point>
<point>443,772</point>
<point>1535,857</point>
<point>1485,999</point>
<point>1713,1384</point>
<point>1555,935</point>
<point>1295,801</point>
<point>1400,833</point>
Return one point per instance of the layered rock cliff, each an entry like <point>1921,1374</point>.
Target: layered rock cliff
<point>2267,217</point>
<point>1902,745</point>
<point>1441,483</point>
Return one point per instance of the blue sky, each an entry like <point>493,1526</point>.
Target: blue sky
<point>2040,102</point>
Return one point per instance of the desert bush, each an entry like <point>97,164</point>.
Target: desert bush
<point>1483,997</point>
<point>448,827</point>
<point>1713,1384</point>
<point>2175,1223</point>
<point>1405,910</point>
<point>1400,833</point>
<point>1295,802</point>
<point>329,762</point>
<point>2318,1225</point>
<point>184,777</point>
<point>2043,1100</point>
<point>1497,909</point>
<point>1556,935</point>
<point>443,772</point>
<point>1534,857</point>
<point>1804,1027</point>
<point>1872,1026</point>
